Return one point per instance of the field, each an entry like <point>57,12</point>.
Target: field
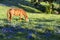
<point>41,26</point>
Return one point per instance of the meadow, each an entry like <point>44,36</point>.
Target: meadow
<point>41,26</point>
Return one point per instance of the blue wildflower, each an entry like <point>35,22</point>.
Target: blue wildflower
<point>8,30</point>
<point>21,30</point>
<point>17,27</point>
<point>47,34</point>
<point>29,31</point>
<point>29,36</point>
<point>35,32</point>
<point>10,36</point>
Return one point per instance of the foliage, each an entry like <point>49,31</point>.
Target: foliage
<point>41,26</point>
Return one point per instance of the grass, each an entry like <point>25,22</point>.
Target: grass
<point>38,22</point>
<point>41,26</point>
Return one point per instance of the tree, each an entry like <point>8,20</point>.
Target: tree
<point>50,8</point>
<point>32,1</point>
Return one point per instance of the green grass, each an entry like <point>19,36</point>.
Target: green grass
<point>40,22</point>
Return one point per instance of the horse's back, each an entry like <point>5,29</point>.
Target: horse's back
<point>16,11</point>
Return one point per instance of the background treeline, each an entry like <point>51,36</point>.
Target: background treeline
<point>50,8</point>
<point>37,4</point>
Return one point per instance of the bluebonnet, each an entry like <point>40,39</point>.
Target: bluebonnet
<point>29,37</point>
<point>21,30</point>
<point>17,27</point>
<point>35,32</point>
<point>10,36</point>
<point>29,31</point>
<point>29,34</point>
<point>47,34</point>
<point>8,30</point>
<point>13,30</point>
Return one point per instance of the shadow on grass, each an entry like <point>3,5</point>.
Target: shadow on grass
<point>11,32</point>
<point>17,3</point>
<point>16,32</point>
<point>4,20</point>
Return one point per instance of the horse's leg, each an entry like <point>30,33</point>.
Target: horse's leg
<point>9,17</point>
<point>26,18</point>
<point>21,16</point>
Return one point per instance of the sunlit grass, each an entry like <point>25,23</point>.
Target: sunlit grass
<point>40,22</point>
<point>35,18</point>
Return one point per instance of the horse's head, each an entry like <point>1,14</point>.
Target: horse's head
<point>27,20</point>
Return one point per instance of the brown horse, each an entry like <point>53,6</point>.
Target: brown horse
<point>16,12</point>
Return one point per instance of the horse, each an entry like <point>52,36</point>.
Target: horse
<point>17,12</point>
